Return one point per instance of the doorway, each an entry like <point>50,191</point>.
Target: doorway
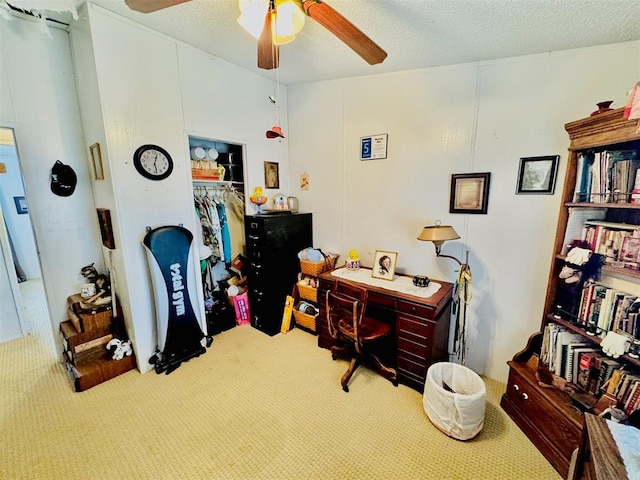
<point>27,311</point>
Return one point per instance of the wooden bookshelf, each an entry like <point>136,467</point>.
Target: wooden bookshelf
<point>549,417</point>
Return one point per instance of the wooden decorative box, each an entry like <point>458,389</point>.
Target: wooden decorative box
<point>94,373</point>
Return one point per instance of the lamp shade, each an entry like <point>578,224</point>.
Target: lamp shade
<point>438,233</point>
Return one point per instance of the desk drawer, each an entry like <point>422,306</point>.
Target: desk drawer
<point>419,349</point>
<point>414,381</point>
<point>416,309</point>
<point>415,327</point>
<point>418,369</point>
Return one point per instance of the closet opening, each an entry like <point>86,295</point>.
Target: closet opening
<point>218,184</point>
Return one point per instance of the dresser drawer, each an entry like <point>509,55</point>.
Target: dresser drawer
<point>551,423</point>
<point>416,309</point>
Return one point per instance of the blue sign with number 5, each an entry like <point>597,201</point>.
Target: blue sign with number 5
<point>365,148</point>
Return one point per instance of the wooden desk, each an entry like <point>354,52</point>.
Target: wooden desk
<point>421,325</point>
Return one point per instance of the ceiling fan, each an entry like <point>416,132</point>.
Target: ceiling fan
<point>268,47</point>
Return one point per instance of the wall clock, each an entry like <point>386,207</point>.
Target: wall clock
<point>153,162</point>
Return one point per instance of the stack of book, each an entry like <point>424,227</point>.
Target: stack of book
<point>585,367</point>
<point>84,338</point>
<point>606,177</point>
<point>603,309</point>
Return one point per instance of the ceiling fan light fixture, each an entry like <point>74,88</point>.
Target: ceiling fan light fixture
<point>288,19</point>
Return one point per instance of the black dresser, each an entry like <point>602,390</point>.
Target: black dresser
<point>273,243</point>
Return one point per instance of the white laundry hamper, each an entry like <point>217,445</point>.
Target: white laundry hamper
<point>458,413</point>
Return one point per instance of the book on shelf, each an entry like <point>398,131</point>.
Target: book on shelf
<point>630,252</point>
<point>606,176</point>
<point>574,349</point>
<point>622,312</point>
<point>547,351</point>
<point>613,382</point>
<point>607,367</point>
<point>563,340</point>
<point>597,371</point>
<point>633,402</point>
<point>625,384</point>
<point>586,303</point>
<point>606,310</point>
<point>586,371</point>
<point>599,292</point>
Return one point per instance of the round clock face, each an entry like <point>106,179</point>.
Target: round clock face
<point>153,162</point>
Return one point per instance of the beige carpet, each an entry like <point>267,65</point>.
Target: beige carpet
<point>251,407</point>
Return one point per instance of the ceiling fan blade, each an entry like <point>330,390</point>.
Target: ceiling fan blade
<point>344,30</point>
<point>268,53</point>
<point>148,6</point>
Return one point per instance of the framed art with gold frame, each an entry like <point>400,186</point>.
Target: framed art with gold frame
<point>271,175</point>
<point>469,193</point>
<point>96,160</point>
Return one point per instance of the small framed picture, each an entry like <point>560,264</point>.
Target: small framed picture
<point>106,228</point>
<point>21,205</point>
<point>96,161</point>
<point>537,175</point>
<point>469,192</point>
<point>384,265</point>
<point>271,175</point>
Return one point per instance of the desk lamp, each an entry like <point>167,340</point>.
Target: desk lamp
<point>438,234</point>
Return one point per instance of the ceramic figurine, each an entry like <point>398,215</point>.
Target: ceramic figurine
<point>258,198</point>
<point>353,262</point>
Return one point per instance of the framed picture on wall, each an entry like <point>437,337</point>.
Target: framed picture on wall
<point>106,228</point>
<point>21,205</point>
<point>96,161</point>
<point>537,175</point>
<point>271,175</point>
<point>384,265</point>
<point>469,192</point>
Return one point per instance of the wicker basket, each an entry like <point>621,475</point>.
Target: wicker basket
<point>308,293</point>
<point>316,268</point>
<point>305,320</point>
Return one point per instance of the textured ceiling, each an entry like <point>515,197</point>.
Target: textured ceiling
<point>414,33</point>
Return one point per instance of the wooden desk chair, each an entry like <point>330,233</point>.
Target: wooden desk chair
<point>355,333</point>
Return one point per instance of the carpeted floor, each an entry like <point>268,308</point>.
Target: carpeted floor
<point>252,407</point>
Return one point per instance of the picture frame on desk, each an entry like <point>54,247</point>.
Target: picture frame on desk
<point>384,265</point>
<point>469,193</point>
<point>537,175</point>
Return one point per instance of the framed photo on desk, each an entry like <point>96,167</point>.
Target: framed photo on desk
<point>384,265</point>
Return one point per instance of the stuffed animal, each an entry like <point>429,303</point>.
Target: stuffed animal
<point>119,349</point>
<point>89,272</point>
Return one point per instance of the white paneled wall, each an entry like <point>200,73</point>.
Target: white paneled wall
<point>154,90</point>
<point>467,118</point>
<point>38,98</point>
